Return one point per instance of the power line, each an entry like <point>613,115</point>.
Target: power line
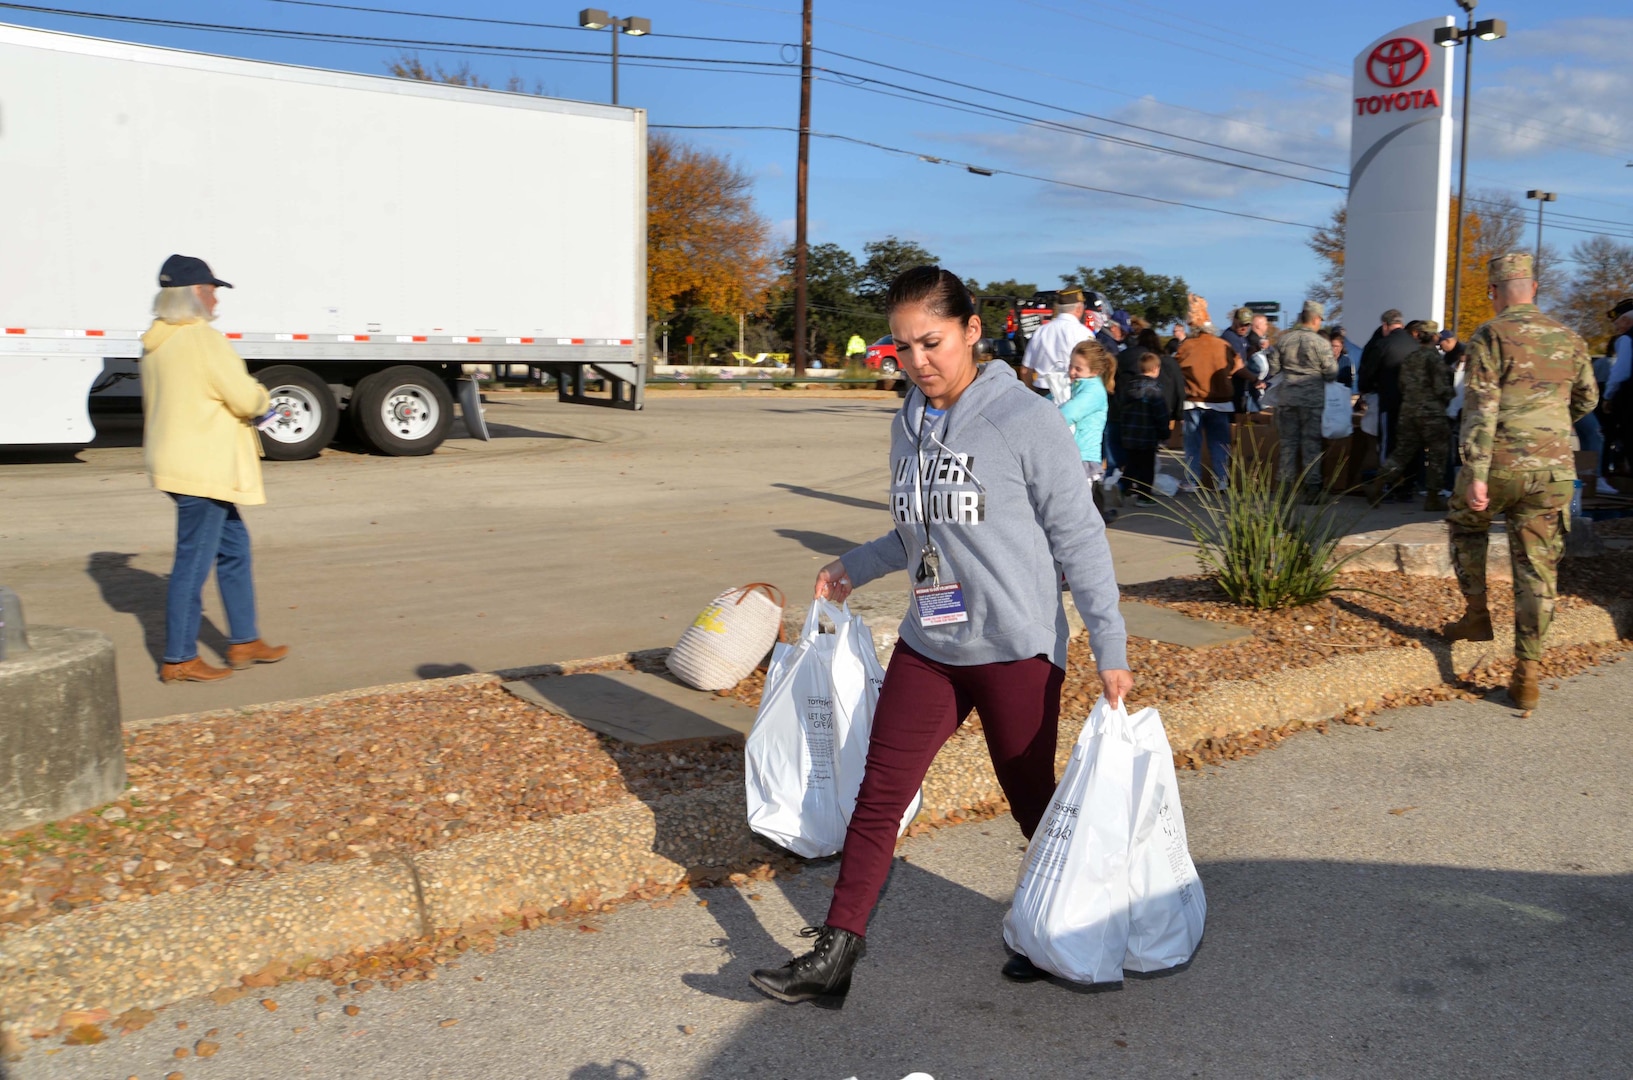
<point>985,170</point>
<point>1086,115</point>
<point>370,39</point>
<point>1077,82</point>
<point>503,22</point>
<point>976,109</point>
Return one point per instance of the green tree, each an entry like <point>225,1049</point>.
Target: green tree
<point>834,311</point>
<point>884,261</point>
<point>1155,297</point>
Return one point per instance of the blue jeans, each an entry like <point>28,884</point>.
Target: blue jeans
<point>1592,438</point>
<point>208,533</point>
<point>1214,426</point>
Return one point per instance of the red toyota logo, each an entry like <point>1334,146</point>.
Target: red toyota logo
<point>1397,62</point>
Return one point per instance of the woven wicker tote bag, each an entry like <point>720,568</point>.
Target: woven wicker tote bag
<point>729,637</point>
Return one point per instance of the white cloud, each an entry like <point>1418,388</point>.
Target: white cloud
<point>1560,87</point>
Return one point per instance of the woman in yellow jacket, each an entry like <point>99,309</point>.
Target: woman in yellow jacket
<point>200,405</point>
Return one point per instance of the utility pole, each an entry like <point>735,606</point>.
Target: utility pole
<point>801,183</point>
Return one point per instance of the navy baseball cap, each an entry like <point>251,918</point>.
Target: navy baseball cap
<point>1121,318</point>
<point>1447,335</point>
<point>182,270</point>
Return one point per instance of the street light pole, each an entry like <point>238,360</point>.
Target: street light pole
<point>596,19</point>
<point>1543,198</point>
<point>1451,37</point>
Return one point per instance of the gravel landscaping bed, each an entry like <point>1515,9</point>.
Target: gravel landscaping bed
<point>232,798</point>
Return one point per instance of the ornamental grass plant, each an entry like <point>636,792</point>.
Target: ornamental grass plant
<point>1266,546</point>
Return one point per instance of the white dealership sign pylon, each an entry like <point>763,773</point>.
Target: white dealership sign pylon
<point>1400,176</point>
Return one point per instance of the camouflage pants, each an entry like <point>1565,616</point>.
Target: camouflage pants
<point>1430,435</point>
<point>1536,506</point>
<point>1298,429</point>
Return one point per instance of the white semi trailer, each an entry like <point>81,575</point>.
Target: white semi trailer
<point>384,237</point>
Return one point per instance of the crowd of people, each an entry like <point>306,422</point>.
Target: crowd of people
<point>1406,385</point>
<point>1199,381</point>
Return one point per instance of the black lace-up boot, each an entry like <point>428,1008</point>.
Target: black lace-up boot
<point>822,975</point>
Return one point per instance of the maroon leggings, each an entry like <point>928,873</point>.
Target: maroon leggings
<point>921,705</point>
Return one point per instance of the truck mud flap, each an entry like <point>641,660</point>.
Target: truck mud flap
<point>625,385</point>
<point>470,408</point>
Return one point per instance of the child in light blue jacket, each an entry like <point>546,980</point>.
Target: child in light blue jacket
<point>1092,372</point>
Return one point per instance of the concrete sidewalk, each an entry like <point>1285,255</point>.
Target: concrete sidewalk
<point>1449,894</point>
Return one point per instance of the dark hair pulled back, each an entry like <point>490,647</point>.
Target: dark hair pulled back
<point>938,290</point>
<point>1149,339</point>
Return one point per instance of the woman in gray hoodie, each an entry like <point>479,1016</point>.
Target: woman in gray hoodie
<point>989,505</point>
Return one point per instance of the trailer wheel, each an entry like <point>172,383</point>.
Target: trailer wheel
<point>403,411</point>
<point>307,413</point>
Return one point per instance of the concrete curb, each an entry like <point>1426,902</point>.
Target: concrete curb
<point>480,678</point>
<point>174,947</point>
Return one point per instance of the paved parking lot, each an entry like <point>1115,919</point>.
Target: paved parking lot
<point>576,532</point>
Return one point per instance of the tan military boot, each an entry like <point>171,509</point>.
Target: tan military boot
<point>1522,685</point>
<point>1475,625</point>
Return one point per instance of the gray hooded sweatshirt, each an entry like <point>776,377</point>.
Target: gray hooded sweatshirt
<point>999,479</point>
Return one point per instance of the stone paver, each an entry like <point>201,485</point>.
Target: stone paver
<point>637,707</point>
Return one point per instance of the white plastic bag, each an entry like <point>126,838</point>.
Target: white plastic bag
<point>1166,906</point>
<point>1337,412</point>
<point>1166,484</point>
<point>1271,395</point>
<point>809,745</point>
<point>1070,912</point>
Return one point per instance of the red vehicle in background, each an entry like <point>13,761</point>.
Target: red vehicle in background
<point>881,356</point>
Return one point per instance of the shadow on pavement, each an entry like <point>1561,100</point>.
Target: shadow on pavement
<point>442,671</point>
<point>829,496</point>
<point>131,591</point>
<point>622,1069</point>
<point>1331,969</point>
<point>820,542</point>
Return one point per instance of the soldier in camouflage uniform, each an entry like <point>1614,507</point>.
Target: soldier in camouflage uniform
<point>1421,425</point>
<point>1304,360</point>
<point>1528,379</point>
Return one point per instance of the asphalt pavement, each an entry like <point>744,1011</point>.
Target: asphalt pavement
<point>576,532</point>
<point>1447,894</point>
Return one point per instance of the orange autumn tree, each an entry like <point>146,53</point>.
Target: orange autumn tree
<point>706,246</point>
<point>1477,251</point>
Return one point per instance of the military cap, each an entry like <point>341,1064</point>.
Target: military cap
<point>1622,308</point>
<point>1313,309</point>
<point>1428,326</point>
<point>1515,266</point>
<point>1241,316</point>
<point>1069,296</point>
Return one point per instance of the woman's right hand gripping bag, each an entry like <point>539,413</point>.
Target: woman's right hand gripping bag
<point>1070,915</point>
<point>1166,907</point>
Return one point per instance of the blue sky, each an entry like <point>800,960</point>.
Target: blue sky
<point>1553,109</point>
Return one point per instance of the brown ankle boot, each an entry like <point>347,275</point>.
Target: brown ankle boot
<point>194,670</point>
<point>255,652</point>
<point>1475,625</point>
<point>1522,685</point>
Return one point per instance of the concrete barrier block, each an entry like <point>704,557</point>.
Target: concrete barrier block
<point>61,747</point>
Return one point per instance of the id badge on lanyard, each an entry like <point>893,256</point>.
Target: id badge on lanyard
<point>936,604</point>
